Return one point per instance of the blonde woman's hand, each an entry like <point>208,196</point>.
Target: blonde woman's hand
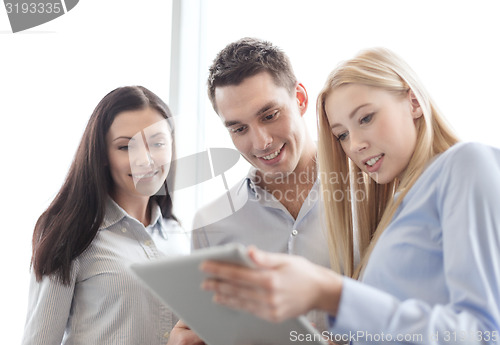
<point>283,286</point>
<point>181,334</point>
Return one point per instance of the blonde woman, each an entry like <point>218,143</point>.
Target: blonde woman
<point>427,212</point>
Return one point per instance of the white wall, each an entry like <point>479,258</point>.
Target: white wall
<point>451,45</point>
<point>51,78</point>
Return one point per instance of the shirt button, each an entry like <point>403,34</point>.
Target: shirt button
<point>294,232</point>
<point>252,186</point>
<point>124,230</point>
<point>166,335</point>
<point>147,243</point>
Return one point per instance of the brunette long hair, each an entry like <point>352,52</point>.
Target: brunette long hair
<point>70,223</point>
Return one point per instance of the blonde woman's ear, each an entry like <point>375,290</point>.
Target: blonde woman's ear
<point>416,109</point>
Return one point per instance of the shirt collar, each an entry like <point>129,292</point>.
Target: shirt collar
<point>259,193</point>
<point>251,180</point>
<point>114,213</point>
<point>155,213</point>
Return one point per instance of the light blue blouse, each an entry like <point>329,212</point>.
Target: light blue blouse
<point>104,303</point>
<point>434,275</point>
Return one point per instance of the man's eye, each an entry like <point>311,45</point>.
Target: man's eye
<point>271,116</point>
<point>238,129</point>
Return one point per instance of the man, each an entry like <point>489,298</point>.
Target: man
<point>253,89</point>
<point>277,207</point>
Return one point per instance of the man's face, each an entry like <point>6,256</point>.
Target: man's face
<point>265,123</point>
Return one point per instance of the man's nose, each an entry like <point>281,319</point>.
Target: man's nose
<point>261,138</point>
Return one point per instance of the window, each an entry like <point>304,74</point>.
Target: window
<point>52,77</point>
<point>457,62</point>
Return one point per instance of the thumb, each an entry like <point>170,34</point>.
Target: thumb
<point>181,324</point>
<point>267,260</point>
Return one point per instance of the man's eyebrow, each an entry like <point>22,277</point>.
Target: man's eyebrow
<point>261,111</point>
<point>266,107</point>
<point>231,123</point>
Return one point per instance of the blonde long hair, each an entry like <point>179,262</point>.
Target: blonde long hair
<point>380,68</point>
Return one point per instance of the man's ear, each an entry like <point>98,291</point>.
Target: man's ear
<point>416,109</point>
<point>302,98</point>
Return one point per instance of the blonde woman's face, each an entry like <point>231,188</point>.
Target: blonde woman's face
<point>375,128</point>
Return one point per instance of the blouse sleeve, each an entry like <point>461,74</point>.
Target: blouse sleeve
<point>468,202</point>
<point>49,305</point>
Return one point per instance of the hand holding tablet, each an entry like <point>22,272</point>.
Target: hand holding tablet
<point>178,281</point>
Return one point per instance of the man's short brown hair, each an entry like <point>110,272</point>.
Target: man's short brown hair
<point>246,58</point>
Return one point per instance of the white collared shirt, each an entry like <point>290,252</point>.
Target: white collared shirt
<point>257,218</point>
<point>252,216</point>
<point>104,303</point>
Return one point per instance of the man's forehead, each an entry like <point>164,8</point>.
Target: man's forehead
<point>245,113</point>
<point>235,102</point>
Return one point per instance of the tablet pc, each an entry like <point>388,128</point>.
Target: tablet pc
<point>177,281</point>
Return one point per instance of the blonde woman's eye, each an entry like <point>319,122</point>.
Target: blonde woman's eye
<point>342,136</point>
<point>367,118</point>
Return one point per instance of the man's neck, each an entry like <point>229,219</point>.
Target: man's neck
<point>292,189</point>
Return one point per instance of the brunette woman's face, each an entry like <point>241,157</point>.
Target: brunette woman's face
<point>139,145</point>
<point>375,128</point>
